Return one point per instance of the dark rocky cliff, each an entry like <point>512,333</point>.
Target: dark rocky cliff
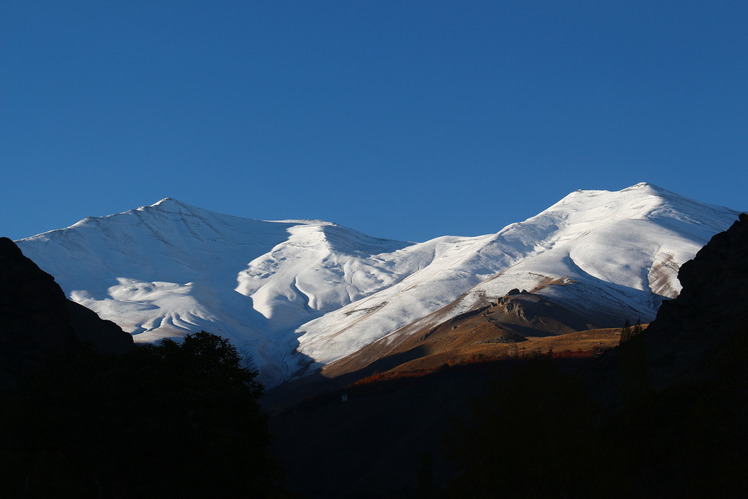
<point>710,311</point>
<point>36,319</point>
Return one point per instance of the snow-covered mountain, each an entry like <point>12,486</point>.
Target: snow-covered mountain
<point>295,291</point>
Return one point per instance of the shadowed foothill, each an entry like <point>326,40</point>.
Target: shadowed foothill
<point>84,413</point>
<point>37,319</point>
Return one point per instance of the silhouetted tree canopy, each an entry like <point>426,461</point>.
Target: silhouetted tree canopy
<point>167,420</point>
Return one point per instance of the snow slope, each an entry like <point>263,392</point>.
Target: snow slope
<point>169,269</point>
<point>277,288</point>
<point>614,255</point>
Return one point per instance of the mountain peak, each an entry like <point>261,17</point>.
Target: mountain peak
<point>640,186</point>
<point>165,200</point>
<point>636,201</point>
<point>645,186</point>
<point>168,203</point>
<point>173,207</point>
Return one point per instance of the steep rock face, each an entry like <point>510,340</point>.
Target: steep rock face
<point>89,328</point>
<point>37,320</point>
<point>712,307</point>
<point>31,306</point>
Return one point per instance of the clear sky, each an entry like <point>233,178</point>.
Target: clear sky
<point>402,119</point>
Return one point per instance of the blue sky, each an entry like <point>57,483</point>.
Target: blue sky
<point>402,119</point>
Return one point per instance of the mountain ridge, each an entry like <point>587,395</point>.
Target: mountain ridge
<point>538,237</point>
<point>298,293</point>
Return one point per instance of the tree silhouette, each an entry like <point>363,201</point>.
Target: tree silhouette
<point>625,332</point>
<point>167,420</point>
<point>635,382</point>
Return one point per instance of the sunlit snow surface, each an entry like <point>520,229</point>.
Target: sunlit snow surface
<point>277,288</point>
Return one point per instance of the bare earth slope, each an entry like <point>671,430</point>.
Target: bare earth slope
<point>513,325</point>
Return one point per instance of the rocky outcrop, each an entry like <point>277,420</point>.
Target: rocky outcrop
<point>36,319</point>
<point>711,309</point>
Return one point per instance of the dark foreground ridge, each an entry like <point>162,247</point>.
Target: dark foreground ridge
<point>690,331</point>
<point>84,413</point>
<point>36,320</point>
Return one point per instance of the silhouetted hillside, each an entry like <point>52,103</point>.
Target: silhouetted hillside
<point>36,319</point>
<point>700,324</point>
<point>173,420</point>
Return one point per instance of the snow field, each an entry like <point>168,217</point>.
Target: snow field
<point>298,292</point>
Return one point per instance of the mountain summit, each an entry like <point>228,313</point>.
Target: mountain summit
<point>297,292</point>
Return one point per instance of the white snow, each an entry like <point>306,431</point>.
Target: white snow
<point>606,247</point>
<point>277,288</point>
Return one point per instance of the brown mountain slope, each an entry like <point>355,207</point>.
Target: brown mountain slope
<point>514,323</point>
